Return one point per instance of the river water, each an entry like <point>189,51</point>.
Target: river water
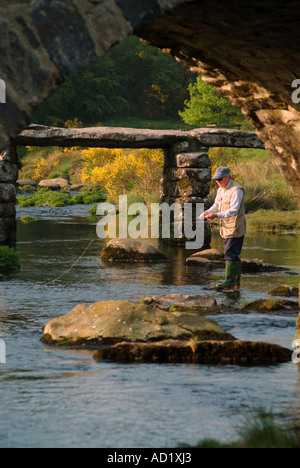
<point>63,398</point>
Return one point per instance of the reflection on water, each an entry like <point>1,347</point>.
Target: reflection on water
<point>62,398</point>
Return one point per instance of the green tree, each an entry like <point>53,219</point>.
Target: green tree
<point>91,96</point>
<point>132,79</point>
<point>206,108</point>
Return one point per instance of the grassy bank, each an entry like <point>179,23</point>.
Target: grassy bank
<point>271,221</point>
<point>50,163</point>
<point>256,171</point>
<point>274,221</point>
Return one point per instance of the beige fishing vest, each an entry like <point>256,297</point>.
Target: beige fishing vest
<point>235,226</point>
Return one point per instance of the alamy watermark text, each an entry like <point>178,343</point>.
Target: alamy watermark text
<point>2,352</point>
<point>296,353</point>
<point>166,221</point>
<point>296,93</point>
<point>2,92</point>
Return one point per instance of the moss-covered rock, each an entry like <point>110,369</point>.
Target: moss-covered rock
<point>271,305</point>
<point>205,352</point>
<point>259,266</point>
<point>131,251</point>
<point>284,291</point>
<point>214,259</point>
<point>201,303</point>
<point>117,321</point>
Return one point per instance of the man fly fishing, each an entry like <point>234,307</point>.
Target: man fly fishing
<point>229,207</point>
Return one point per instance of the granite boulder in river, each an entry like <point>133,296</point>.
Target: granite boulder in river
<point>214,259</point>
<point>124,331</point>
<point>131,251</point>
<point>117,321</point>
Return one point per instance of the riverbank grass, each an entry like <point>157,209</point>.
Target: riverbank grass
<point>274,221</point>
<point>259,430</point>
<point>271,221</point>
<point>9,260</point>
<point>45,197</point>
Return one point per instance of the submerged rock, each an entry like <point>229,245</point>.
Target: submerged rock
<point>205,352</point>
<point>171,302</point>
<point>117,321</point>
<point>131,251</point>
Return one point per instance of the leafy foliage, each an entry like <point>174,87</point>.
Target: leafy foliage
<point>206,108</point>
<point>132,79</point>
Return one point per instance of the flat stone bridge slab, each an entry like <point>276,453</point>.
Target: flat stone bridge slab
<point>107,137</point>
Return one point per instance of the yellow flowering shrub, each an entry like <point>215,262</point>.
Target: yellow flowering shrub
<point>75,123</point>
<point>122,171</point>
<point>155,92</point>
<point>41,169</point>
<point>223,157</point>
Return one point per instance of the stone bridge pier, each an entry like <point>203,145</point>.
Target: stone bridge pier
<point>186,172</point>
<point>8,179</point>
<point>186,178</point>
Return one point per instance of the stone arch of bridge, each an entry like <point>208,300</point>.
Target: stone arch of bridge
<point>249,50</point>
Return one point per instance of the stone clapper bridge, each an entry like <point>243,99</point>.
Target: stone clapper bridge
<point>186,173</point>
<point>186,177</point>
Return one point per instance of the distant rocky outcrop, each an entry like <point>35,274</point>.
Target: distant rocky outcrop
<point>131,251</point>
<point>23,183</point>
<point>54,184</point>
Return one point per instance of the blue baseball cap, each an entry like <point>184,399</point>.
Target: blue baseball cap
<point>222,172</point>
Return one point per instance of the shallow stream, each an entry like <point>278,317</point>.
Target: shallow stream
<point>62,398</point>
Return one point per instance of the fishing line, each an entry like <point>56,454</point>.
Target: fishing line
<point>62,275</point>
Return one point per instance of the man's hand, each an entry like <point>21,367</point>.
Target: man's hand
<point>211,216</point>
